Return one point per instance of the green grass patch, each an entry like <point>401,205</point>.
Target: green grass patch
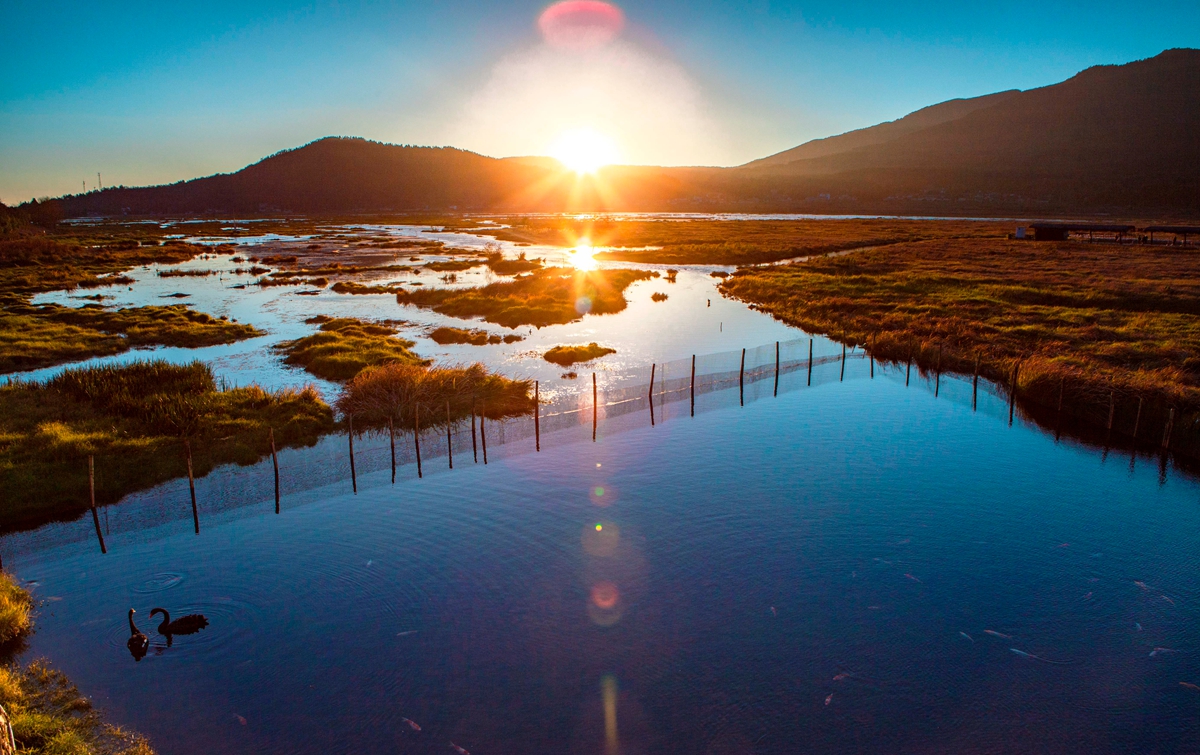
<point>502,266</point>
<point>565,356</point>
<point>474,337</point>
<point>399,391</point>
<point>343,347</point>
<point>16,611</point>
<point>550,296</point>
<point>133,419</point>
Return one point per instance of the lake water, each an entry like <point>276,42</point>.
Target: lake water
<point>816,571</point>
<point>850,565</point>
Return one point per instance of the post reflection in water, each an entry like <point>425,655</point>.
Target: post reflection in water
<point>608,694</point>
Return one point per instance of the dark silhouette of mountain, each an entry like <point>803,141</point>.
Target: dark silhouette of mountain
<point>885,132</point>
<point>1122,139</point>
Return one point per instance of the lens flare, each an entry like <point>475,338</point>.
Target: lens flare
<point>581,24</point>
<point>605,595</point>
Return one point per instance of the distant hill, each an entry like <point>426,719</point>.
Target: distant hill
<point>1119,139</point>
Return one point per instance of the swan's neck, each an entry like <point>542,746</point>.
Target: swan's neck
<point>132,628</point>
<point>166,617</point>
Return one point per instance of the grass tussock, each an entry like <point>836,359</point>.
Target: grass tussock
<point>475,337</point>
<point>351,287</point>
<point>33,337</point>
<point>1087,319</point>
<point>452,266</point>
<point>396,390</point>
<point>550,296</point>
<point>16,611</point>
<point>565,356</point>
<point>133,418</point>
<point>344,347</point>
<point>658,296</point>
<point>502,266</point>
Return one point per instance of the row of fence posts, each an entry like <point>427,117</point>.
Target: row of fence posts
<point>482,437</point>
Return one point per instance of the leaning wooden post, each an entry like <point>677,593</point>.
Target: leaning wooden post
<point>449,442</point>
<point>874,338</point>
<point>1012,392</point>
<point>483,432</point>
<point>392,444</point>
<point>650,393</point>
<point>537,417</point>
<point>187,446</point>
<point>975,386</point>
<point>1166,441</point>
<point>937,380</point>
<point>908,367</point>
<point>275,463</point>
<point>1137,421</point>
<point>92,493</point>
<point>693,385</point>
<point>595,412</point>
<point>776,368</point>
<point>474,450</point>
<point>417,435</point>
<point>843,375</point>
<point>810,352</point>
<point>350,435</point>
<point>742,380</point>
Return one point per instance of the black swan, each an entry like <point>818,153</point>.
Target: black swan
<point>189,624</point>
<point>138,643</point>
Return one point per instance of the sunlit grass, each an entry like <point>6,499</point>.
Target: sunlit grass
<point>344,347</point>
<point>565,356</point>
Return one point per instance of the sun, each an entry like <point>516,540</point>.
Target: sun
<point>583,256</point>
<point>584,150</point>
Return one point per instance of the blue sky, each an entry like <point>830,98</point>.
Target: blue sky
<point>157,92</point>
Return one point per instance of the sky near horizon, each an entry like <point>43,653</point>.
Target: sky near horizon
<point>148,93</point>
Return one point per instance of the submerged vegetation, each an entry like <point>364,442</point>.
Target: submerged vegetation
<point>1105,327</point>
<point>344,347</point>
<point>550,296</point>
<point>133,419</point>
<point>475,337</point>
<point>399,391</point>
<point>565,356</point>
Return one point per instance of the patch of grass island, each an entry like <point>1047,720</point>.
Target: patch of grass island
<point>475,337</point>
<point>565,356</point>
<point>344,347</point>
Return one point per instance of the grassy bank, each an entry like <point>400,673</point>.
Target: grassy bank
<point>1087,321</point>
<point>399,391</point>
<point>344,347</point>
<point>733,242</point>
<point>133,419</point>
<point>550,296</point>
<point>48,714</point>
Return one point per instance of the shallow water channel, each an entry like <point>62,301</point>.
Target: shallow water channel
<point>846,564</point>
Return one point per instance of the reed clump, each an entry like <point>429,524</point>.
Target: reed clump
<point>16,611</point>
<point>395,391</point>
<point>475,337</point>
<point>1082,321</point>
<point>565,356</point>
<point>550,296</point>
<point>352,287</point>
<point>449,266</point>
<point>343,347</point>
<point>502,266</point>
<point>133,419</point>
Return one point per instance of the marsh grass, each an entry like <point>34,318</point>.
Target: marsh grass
<point>450,266</point>
<point>1089,319</point>
<point>16,611</point>
<point>396,390</point>
<point>133,418</point>
<point>502,266</point>
<point>475,337</point>
<point>550,296</point>
<point>343,347</point>
<point>351,287</point>
<point>565,356</point>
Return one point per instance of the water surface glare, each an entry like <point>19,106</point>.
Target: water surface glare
<point>843,569</point>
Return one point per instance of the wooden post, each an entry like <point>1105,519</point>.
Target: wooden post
<point>350,435</point>
<point>595,413</point>
<point>908,368</point>
<point>92,493</point>
<point>1137,421</point>
<point>483,432</point>
<point>810,350</point>
<point>417,436</point>
<point>874,338</point>
<point>975,386</point>
<point>1166,442</point>
<point>693,385</point>
<point>1012,392</point>
<point>843,375</point>
<point>187,446</point>
<point>392,443</point>
<point>650,393</point>
<point>776,368</point>
<point>275,463</point>
<point>449,441</point>
<point>937,380</point>
<point>474,450</point>
<point>742,380</point>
